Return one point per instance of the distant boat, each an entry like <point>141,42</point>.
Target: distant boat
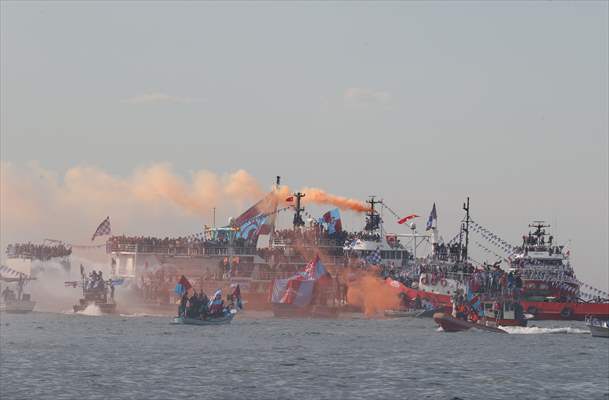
<point>18,306</point>
<point>223,320</point>
<point>598,328</point>
<point>16,303</point>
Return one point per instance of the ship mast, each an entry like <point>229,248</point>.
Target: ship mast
<point>298,221</point>
<point>465,228</point>
<point>372,217</point>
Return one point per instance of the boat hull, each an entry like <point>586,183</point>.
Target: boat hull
<point>224,320</point>
<point>450,324</point>
<point>542,310</point>
<point>18,307</point>
<point>599,331</point>
<point>403,313</point>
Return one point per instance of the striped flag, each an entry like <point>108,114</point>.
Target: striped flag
<point>103,229</point>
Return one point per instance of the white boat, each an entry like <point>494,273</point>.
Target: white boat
<point>598,328</point>
<point>16,303</point>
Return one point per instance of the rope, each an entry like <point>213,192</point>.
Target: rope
<point>390,210</point>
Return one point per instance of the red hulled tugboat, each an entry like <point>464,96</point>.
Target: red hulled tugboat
<point>550,288</point>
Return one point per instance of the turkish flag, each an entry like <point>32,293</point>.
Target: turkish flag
<point>407,218</point>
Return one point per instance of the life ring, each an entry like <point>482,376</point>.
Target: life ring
<point>424,280</point>
<point>443,282</point>
<point>566,312</point>
<point>532,310</point>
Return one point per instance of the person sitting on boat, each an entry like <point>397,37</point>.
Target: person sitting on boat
<point>230,302</point>
<point>473,316</point>
<point>237,297</point>
<point>182,307</point>
<point>203,305</point>
<point>462,311</point>
<point>193,306</point>
<point>216,306</point>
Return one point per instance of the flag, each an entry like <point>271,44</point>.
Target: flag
<point>182,286</point>
<point>103,229</point>
<point>407,218</point>
<point>474,301</point>
<point>259,219</point>
<point>433,218</point>
<point>290,199</point>
<point>295,291</point>
<point>315,269</point>
<point>332,221</point>
<point>375,257</point>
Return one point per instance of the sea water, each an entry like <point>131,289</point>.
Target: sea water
<point>139,356</point>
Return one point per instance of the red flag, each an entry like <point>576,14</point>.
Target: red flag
<point>184,282</point>
<point>407,218</point>
<point>290,199</point>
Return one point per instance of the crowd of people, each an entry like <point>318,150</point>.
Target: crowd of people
<point>191,245</point>
<point>198,306</point>
<point>41,252</point>
<point>448,252</point>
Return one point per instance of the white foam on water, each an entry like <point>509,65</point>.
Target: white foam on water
<point>536,330</point>
<point>139,315</point>
<point>92,310</point>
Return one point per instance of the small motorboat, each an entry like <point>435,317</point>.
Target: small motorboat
<point>410,313</point>
<point>222,320</point>
<point>598,328</point>
<point>94,292</point>
<point>451,324</point>
<point>25,305</point>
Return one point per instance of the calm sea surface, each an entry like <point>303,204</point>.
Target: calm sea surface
<point>59,356</point>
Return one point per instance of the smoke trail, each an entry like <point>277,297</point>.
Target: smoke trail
<point>34,199</point>
<point>319,196</point>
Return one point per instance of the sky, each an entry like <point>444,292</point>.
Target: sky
<point>113,108</point>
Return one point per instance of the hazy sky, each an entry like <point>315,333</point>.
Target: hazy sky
<point>414,102</point>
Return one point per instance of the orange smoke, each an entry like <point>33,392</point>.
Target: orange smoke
<point>39,202</point>
<point>373,295</point>
<point>319,196</point>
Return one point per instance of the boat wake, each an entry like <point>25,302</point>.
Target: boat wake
<point>141,315</point>
<point>92,310</point>
<point>535,330</point>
